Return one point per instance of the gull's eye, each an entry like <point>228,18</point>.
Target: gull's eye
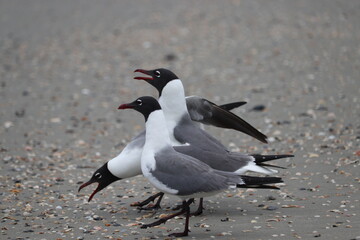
<point>98,175</point>
<point>139,102</point>
<point>157,73</point>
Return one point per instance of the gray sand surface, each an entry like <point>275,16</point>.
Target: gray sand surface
<point>65,67</point>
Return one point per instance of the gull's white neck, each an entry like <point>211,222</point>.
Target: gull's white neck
<point>128,163</point>
<point>157,136</point>
<point>173,103</point>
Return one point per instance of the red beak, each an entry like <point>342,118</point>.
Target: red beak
<point>87,184</point>
<point>143,77</point>
<point>125,106</point>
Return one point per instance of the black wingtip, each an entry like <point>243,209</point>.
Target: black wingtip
<point>251,180</point>
<point>227,119</point>
<point>259,186</point>
<point>264,158</point>
<point>231,106</point>
<point>259,182</point>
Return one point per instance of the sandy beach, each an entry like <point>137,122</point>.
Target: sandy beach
<point>65,67</point>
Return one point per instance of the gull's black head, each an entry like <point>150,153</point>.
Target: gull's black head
<point>103,177</point>
<point>144,105</point>
<point>157,77</point>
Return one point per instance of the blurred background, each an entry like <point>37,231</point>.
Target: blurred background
<point>65,67</point>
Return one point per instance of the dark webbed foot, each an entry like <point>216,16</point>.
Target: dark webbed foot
<point>160,221</point>
<point>185,209</point>
<point>151,207</point>
<point>156,223</point>
<point>149,200</point>
<point>182,234</point>
<point>154,207</point>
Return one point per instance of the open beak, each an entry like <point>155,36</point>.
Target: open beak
<point>147,73</point>
<point>87,184</point>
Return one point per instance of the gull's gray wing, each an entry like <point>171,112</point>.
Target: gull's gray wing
<point>188,175</point>
<point>224,161</point>
<point>209,113</point>
<point>201,109</point>
<point>188,132</point>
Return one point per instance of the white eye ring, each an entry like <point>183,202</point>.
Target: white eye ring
<point>157,73</point>
<point>98,175</point>
<point>139,102</point>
